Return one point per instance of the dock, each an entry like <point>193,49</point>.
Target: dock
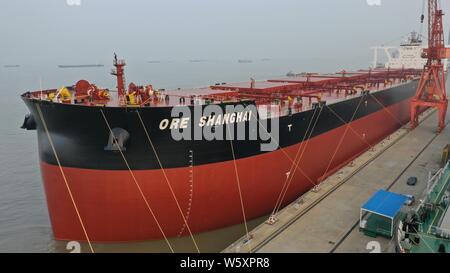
<point>327,219</point>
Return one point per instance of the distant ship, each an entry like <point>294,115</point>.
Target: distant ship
<point>11,66</point>
<point>245,61</point>
<point>197,61</point>
<point>290,74</point>
<point>81,66</point>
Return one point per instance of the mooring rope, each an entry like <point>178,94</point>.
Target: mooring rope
<point>294,161</point>
<point>341,140</point>
<point>239,185</point>
<point>350,127</point>
<point>288,156</point>
<point>168,182</point>
<point>137,184</point>
<point>299,160</point>
<point>38,107</point>
<point>387,110</point>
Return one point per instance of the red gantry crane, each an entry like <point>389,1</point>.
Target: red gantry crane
<point>431,89</point>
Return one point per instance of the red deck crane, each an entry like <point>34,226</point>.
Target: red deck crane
<point>431,89</point>
<point>119,73</point>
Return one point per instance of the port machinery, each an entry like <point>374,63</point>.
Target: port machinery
<point>431,88</point>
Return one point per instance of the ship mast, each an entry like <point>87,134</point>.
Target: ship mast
<point>431,89</point>
<point>119,73</point>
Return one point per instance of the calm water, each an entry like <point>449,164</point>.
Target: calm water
<point>24,222</point>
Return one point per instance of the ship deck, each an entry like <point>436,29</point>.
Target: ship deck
<point>291,94</point>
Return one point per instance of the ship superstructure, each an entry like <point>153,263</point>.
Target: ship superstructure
<point>406,55</point>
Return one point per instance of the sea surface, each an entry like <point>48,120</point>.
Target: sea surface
<point>24,220</point>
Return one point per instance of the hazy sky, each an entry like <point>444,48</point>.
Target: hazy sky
<point>52,31</point>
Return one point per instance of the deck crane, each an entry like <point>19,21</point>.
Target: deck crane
<point>431,88</point>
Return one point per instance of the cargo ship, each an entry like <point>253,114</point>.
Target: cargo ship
<point>140,163</point>
<point>80,65</point>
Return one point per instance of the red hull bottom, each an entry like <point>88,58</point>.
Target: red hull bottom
<point>113,210</point>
